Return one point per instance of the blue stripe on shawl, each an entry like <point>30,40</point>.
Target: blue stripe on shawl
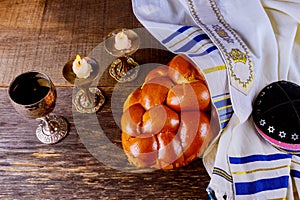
<point>295,173</point>
<point>222,103</point>
<point>179,31</point>
<point>226,115</point>
<point>192,43</point>
<point>220,95</point>
<point>254,158</point>
<point>207,51</point>
<point>248,188</point>
<point>224,124</point>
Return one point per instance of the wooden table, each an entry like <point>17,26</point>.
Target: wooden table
<point>43,35</point>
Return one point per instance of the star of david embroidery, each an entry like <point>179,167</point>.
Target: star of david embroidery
<point>271,129</point>
<point>262,122</point>
<point>282,134</point>
<point>295,137</point>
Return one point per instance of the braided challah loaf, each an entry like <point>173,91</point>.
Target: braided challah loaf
<point>166,122</point>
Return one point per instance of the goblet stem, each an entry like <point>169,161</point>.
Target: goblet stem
<point>49,126</point>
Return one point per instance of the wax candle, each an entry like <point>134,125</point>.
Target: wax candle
<point>122,42</point>
<point>81,67</point>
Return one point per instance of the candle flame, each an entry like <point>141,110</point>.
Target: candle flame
<point>78,60</point>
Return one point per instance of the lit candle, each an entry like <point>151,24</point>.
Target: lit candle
<point>81,67</point>
<point>121,41</point>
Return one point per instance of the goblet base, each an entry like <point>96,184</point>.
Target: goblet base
<point>84,105</point>
<point>52,129</point>
<point>124,69</point>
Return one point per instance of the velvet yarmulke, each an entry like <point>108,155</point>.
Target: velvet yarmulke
<point>276,114</point>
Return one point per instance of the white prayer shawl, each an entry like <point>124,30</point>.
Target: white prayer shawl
<point>262,34</point>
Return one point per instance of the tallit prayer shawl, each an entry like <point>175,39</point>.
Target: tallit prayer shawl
<point>241,46</point>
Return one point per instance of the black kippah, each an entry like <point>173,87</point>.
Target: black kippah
<point>276,114</point>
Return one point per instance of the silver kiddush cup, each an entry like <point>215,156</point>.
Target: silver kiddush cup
<point>33,95</point>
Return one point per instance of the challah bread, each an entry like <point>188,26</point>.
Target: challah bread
<point>159,71</point>
<point>154,92</point>
<point>166,122</point>
<point>181,70</point>
<point>142,152</point>
<point>131,120</point>
<point>133,98</point>
<point>193,131</point>
<point>160,119</point>
<point>189,96</point>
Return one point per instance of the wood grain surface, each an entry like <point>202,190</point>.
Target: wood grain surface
<point>67,170</point>
<point>43,35</point>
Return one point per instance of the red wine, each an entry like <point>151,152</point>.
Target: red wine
<point>29,90</point>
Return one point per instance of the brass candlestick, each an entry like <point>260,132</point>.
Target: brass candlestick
<point>87,99</point>
<point>124,68</point>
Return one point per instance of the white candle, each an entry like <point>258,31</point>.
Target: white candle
<point>81,67</point>
<point>122,42</point>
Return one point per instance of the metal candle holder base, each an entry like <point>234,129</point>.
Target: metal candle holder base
<point>83,104</point>
<point>124,69</point>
